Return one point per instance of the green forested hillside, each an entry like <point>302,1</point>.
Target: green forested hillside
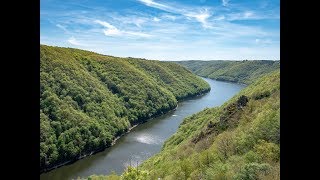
<point>238,140</point>
<point>233,71</point>
<point>87,99</point>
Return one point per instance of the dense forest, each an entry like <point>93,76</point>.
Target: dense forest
<point>234,71</point>
<point>88,99</point>
<point>238,140</point>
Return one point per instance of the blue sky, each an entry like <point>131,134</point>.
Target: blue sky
<point>165,29</point>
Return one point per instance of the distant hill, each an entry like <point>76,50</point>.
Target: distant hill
<point>87,99</point>
<point>234,71</point>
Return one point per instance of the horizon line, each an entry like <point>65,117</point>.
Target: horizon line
<point>142,58</point>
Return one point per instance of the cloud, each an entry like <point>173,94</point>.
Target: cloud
<point>199,15</point>
<point>153,4</point>
<point>138,21</point>
<point>251,15</point>
<point>156,19</point>
<point>137,34</point>
<point>105,24</point>
<point>219,18</point>
<point>62,27</point>
<point>174,30</point>
<point>73,41</point>
<point>248,14</point>
<point>225,2</point>
<point>113,31</point>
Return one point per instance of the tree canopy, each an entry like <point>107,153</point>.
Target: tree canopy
<point>87,99</point>
<point>234,71</point>
<point>238,140</point>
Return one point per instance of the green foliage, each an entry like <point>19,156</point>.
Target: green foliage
<point>268,151</point>
<point>238,140</point>
<point>87,99</point>
<point>112,176</point>
<point>251,171</point>
<point>130,173</point>
<point>234,71</point>
<point>134,174</point>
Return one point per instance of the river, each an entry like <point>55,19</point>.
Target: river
<point>146,139</point>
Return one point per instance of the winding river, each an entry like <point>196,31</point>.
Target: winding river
<point>146,139</point>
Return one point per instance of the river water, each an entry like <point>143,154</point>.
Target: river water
<point>146,139</point>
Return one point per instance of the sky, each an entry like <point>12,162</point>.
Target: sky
<point>165,29</point>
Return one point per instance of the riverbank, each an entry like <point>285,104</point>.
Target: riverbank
<point>146,139</point>
<point>134,125</point>
<point>89,154</point>
<point>102,149</point>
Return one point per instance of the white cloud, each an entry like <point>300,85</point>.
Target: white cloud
<point>74,41</point>
<point>151,3</point>
<point>200,15</point>
<point>138,21</point>
<point>219,18</point>
<point>176,31</point>
<point>105,24</point>
<point>62,27</point>
<point>156,19</point>
<point>225,2</point>
<point>113,31</point>
<point>248,14</point>
<point>241,16</point>
<point>137,34</point>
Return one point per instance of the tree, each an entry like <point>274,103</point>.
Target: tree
<point>242,101</point>
<point>134,174</point>
<point>225,144</point>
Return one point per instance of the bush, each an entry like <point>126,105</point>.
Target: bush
<point>252,171</point>
<point>134,174</point>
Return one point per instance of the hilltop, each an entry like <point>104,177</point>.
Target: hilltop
<point>233,71</point>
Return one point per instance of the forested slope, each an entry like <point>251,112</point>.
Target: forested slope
<point>234,71</point>
<point>238,140</point>
<point>87,99</point>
